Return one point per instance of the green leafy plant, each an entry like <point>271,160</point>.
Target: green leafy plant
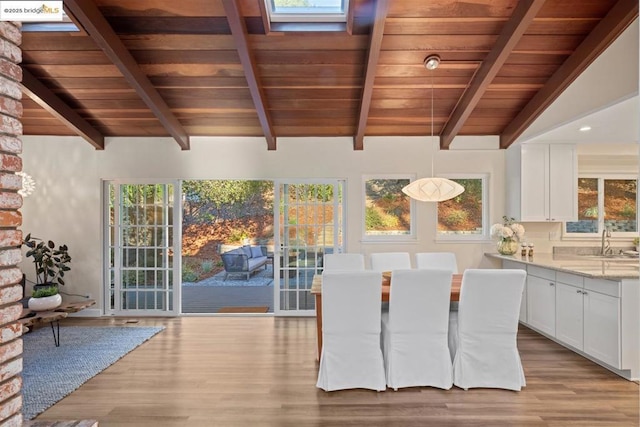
<point>636,241</point>
<point>206,266</point>
<point>455,218</point>
<point>377,220</point>
<point>591,212</point>
<point>628,211</point>
<point>188,274</point>
<point>50,263</point>
<point>45,292</point>
<point>238,236</point>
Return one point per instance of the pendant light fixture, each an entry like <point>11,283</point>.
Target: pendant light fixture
<point>433,189</point>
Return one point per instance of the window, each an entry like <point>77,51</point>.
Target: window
<point>465,217</point>
<point>307,15</point>
<point>307,10</point>
<point>605,202</point>
<point>387,210</point>
<point>66,25</point>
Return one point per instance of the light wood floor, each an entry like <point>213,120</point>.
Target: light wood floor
<point>259,371</point>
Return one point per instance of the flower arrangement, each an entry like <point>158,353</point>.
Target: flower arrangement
<point>509,233</point>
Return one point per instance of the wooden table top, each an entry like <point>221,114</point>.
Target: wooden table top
<point>31,318</point>
<point>456,281</point>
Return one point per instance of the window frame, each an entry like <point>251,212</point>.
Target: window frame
<point>389,238</point>
<point>469,238</point>
<point>615,235</point>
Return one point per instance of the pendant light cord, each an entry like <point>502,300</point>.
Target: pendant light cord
<point>434,153</point>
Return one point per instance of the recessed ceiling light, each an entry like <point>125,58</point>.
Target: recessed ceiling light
<point>585,128</point>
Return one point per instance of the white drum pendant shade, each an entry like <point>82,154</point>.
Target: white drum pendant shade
<point>433,189</point>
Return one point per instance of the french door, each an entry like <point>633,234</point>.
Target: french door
<point>309,224</point>
<point>142,245</point>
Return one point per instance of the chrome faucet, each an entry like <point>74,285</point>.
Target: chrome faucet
<point>606,248</point>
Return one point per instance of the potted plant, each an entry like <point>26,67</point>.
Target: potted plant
<point>636,243</point>
<point>50,265</point>
<point>46,298</point>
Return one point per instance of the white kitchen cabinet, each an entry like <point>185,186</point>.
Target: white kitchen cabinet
<point>542,182</point>
<point>589,321</point>
<point>541,304</point>
<point>602,327</point>
<point>598,318</point>
<point>569,315</point>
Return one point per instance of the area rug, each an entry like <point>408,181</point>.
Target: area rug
<point>50,373</point>
<point>243,310</point>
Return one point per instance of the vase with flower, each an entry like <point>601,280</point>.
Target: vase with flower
<point>509,234</point>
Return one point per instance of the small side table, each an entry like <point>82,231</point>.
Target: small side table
<point>29,320</point>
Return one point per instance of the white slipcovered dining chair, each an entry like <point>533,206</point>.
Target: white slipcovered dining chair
<point>389,261</point>
<point>414,331</point>
<point>346,261</point>
<point>483,332</point>
<point>351,354</point>
<point>439,260</point>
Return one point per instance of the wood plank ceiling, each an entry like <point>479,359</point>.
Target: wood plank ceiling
<point>214,68</point>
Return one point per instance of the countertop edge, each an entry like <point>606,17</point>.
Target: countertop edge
<point>548,263</point>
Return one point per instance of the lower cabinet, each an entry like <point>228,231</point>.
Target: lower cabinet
<point>602,327</point>
<point>589,321</point>
<point>541,304</point>
<point>598,317</point>
<point>570,315</point>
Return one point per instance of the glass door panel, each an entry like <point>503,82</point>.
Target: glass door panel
<point>140,247</point>
<point>310,218</point>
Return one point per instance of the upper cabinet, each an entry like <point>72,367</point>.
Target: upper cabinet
<point>542,182</point>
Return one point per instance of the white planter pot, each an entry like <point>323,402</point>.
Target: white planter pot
<point>45,303</point>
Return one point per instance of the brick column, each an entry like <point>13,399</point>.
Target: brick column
<point>10,220</point>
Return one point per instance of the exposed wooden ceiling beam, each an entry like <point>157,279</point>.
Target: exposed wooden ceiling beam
<point>48,100</point>
<point>375,43</point>
<point>510,35</point>
<point>239,32</point>
<point>98,28</point>
<point>607,30</point>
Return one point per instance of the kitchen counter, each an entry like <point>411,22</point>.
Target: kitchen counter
<point>604,269</point>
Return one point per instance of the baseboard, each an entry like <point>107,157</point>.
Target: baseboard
<point>87,312</point>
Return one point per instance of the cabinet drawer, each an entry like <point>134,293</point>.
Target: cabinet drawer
<point>545,273</point>
<point>570,279</point>
<point>607,287</point>
<point>513,265</point>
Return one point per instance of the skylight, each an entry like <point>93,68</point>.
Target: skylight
<point>66,25</point>
<point>307,10</point>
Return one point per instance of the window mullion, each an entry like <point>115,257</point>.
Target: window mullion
<point>600,205</point>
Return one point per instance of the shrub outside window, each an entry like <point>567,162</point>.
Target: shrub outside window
<point>605,202</point>
<point>465,217</point>
<point>388,212</point>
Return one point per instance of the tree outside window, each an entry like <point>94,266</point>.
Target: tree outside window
<point>605,203</point>
<point>388,211</point>
<point>464,216</point>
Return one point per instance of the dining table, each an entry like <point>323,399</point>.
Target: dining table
<point>316,290</point>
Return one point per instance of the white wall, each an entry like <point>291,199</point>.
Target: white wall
<point>66,206</point>
<point>610,79</point>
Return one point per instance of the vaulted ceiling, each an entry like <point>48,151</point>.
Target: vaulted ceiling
<point>217,68</point>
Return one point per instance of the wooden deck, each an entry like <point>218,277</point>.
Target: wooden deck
<point>261,371</point>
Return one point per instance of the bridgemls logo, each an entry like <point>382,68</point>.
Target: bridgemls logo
<point>29,11</point>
